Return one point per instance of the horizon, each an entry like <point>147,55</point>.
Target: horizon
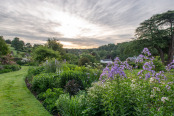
<point>76,24</point>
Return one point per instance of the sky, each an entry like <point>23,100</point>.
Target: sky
<point>77,23</point>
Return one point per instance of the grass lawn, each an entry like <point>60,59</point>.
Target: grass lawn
<point>16,99</point>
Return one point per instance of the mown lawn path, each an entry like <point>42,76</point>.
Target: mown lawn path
<point>15,98</point>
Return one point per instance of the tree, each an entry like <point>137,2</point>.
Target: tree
<point>158,32</point>
<point>4,50</point>
<point>28,45</point>
<point>55,45</point>
<point>42,53</point>
<point>8,41</point>
<point>17,44</point>
<point>83,61</point>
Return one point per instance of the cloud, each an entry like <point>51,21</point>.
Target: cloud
<point>83,23</point>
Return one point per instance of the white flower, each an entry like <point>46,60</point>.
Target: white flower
<point>156,89</point>
<point>152,79</point>
<point>152,96</point>
<point>133,86</point>
<point>133,80</point>
<point>163,99</point>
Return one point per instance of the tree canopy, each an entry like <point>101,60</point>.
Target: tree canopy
<point>17,44</point>
<point>55,45</point>
<point>42,53</point>
<point>3,47</point>
<point>158,32</point>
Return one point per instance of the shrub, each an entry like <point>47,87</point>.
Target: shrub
<point>95,105</point>
<point>12,67</point>
<point>32,71</point>
<point>70,75</point>
<point>49,98</point>
<point>43,81</point>
<point>73,106</point>
<point>7,60</point>
<point>83,61</point>
<point>9,68</point>
<point>52,66</point>
<point>158,64</point>
<point>42,53</point>
<point>5,71</point>
<point>72,87</point>
<point>66,67</point>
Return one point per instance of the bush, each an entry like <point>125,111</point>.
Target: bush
<point>12,67</point>
<point>42,53</point>
<point>95,105</point>
<point>52,66</point>
<point>72,87</point>
<point>43,81</point>
<point>130,97</point>
<point>71,75</point>
<point>49,98</point>
<point>9,68</point>
<point>32,71</point>
<point>83,61</point>
<point>158,64</point>
<point>5,71</point>
<point>73,106</point>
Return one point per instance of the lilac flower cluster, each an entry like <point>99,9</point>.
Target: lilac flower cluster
<point>148,67</point>
<point>146,52</point>
<point>159,76</point>
<point>168,86</point>
<point>170,66</point>
<point>115,70</point>
<point>146,56</point>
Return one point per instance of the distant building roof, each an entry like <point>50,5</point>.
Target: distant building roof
<point>106,61</point>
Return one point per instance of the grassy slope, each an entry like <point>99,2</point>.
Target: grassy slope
<point>15,98</point>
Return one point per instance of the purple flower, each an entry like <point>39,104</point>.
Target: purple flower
<point>168,87</point>
<point>140,72</point>
<point>115,71</point>
<point>170,66</point>
<point>148,66</point>
<point>147,76</point>
<point>146,51</point>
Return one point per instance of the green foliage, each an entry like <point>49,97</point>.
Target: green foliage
<point>33,71</point>
<point>17,44</point>
<point>9,68</point>
<point>67,66</point>
<point>52,66</point>
<point>157,32</point>
<point>28,45</point>
<point>7,60</point>
<point>130,96</point>
<point>73,106</point>
<point>159,66</point>
<point>42,53</point>
<point>43,81</point>
<point>4,50</point>
<point>95,105</point>
<point>65,76</point>
<point>5,71</point>
<point>55,45</point>
<point>83,61</point>
<point>72,87</point>
<point>49,99</point>
<point>8,41</point>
